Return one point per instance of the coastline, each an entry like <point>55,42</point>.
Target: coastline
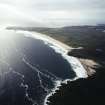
<point>86,63</point>
<point>53,41</point>
<point>62,49</point>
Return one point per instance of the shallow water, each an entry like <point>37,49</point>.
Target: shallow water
<point>28,69</point>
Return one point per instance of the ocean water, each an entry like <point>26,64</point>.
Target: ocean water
<point>29,69</point>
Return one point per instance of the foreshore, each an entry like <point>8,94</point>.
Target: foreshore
<point>54,41</point>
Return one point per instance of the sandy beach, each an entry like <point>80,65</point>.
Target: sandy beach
<point>55,42</point>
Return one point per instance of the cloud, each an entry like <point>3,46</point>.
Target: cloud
<point>10,15</point>
<point>52,12</point>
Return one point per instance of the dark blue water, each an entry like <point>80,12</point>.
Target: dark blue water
<point>28,69</point>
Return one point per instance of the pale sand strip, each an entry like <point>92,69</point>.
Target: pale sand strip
<point>58,43</point>
<point>54,41</point>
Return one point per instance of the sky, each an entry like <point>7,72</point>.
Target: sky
<point>52,13</point>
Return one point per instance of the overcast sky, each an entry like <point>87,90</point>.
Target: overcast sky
<point>52,13</point>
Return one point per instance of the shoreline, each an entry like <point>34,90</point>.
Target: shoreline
<point>88,64</point>
<point>62,49</point>
<point>51,40</point>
